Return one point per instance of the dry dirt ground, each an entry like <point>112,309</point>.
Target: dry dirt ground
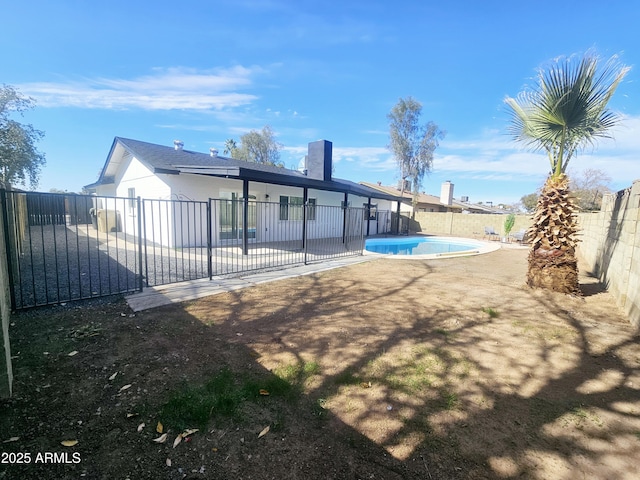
<point>390,369</point>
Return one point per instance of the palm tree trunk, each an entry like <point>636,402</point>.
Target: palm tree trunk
<point>552,259</point>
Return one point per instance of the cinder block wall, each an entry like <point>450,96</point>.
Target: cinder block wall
<point>611,247</point>
<point>466,225</point>
<point>6,374</point>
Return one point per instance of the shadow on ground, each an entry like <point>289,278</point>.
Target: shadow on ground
<point>421,369</point>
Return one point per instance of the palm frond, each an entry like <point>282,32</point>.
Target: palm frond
<point>568,109</point>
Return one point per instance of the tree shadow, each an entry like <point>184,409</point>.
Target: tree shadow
<point>545,388</point>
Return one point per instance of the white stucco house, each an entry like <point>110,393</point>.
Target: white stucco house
<point>265,200</point>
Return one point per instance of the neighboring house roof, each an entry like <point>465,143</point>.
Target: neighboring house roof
<point>423,198</point>
<point>426,199</point>
<point>168,160</point>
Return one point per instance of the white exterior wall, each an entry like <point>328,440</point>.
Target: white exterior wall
<point>176,225</point>
<point>136,175</point>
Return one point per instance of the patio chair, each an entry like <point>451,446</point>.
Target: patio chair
<point>519,235</point>
<point>491,233</point>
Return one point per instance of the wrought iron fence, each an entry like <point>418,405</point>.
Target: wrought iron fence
<point>73,247</point>
<point>68,247</point>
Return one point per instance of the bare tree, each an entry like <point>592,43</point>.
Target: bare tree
<point>588,187</point>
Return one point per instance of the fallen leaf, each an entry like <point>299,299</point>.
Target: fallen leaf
<point>365,384</point>
<point>161,439</point>
<point>189,431</point>
<point>177,441</point>
<point>125,387</point>
<point>214,449</point>
<point>69,443</point>
<point>71,354</point>
<point>12,439</point>
<point>129,415</point>
<point>264,392</point>
<point>168,462</point>
<point>141,426</point>
<point>113,376</point>
<point>159,427</point>
<point>264,431</point>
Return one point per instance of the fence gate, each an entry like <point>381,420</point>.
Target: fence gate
<point>63,247</point>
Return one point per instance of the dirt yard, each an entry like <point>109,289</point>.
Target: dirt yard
<point>389,369</point>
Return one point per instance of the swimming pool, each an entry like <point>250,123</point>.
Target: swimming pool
<point>428,246</point>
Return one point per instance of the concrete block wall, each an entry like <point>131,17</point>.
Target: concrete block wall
<point>6,374</point>
<point>466,225</point>
<point>610,247</point>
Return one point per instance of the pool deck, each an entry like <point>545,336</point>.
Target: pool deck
<point>161,295</point>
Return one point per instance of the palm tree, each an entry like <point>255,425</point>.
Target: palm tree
<point>230,147</point>
<point>566,112</point>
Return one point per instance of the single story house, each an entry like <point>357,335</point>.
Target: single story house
<point>265,200</point>
<point>425,202</point>
<point>430,203</point>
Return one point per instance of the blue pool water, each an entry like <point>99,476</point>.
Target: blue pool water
<point>418,245</point>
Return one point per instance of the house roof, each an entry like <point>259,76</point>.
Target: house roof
<point>425,198</point>
<point>168,160</point>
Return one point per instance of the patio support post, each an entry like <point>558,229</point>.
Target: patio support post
<point>305,201</point>
<point>368,213</point>
<point>344,216</point>
<point>245,217</point>
<point>398,219</point>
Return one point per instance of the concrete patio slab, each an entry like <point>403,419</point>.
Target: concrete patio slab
<point>152,297</point>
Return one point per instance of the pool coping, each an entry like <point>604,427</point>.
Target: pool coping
<point>483,247</point>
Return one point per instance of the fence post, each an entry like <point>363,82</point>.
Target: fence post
<point>140,234</point>
<point>7,245</point>
<point>209,240</point>
<point>6,371</point>
<point>146,257</point>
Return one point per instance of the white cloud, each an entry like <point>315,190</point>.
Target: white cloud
<point>165,89</point>
<point>495,157</point>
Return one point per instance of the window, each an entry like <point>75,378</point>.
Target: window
<point>131,193</point>
<point>284,207</point>
<point>373,211</point>
<point>311,212</point>
<point>291,208</point>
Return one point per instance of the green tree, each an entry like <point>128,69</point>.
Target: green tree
<point>565,112</point>
<point>20,161</point>
<point>529,201</point>
<point>411,143</point>
<point>259,147</point>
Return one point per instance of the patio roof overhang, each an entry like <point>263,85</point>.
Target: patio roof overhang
<point>252,175</point>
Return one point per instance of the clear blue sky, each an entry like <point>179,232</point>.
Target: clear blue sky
<point>205,71</point>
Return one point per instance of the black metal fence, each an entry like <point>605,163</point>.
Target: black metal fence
<point>72,247</point>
